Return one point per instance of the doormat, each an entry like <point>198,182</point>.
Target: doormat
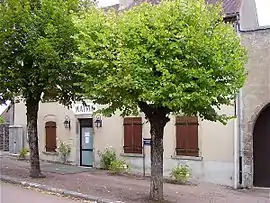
<point>64,169</point>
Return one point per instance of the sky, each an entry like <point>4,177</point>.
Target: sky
<point>3,107</point>
<point>103,3</point>
<point>263,12</point>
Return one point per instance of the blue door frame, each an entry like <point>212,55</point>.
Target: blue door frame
<point>86,142</point>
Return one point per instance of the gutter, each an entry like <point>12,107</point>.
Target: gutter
<point>256,29</point>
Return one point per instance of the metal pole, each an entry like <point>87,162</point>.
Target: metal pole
<point>143,160</point>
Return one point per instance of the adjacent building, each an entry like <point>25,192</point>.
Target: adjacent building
<point>254,98</point>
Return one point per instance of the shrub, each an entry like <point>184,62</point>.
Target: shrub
<point>107,157</point>
<point>118,167</point>
<point>181,173</point>
<point>2,120</point>
<point>23,153</point>
<point>64,150</point>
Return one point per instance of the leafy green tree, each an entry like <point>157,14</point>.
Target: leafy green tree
<point>36,58</point>
<point>175,57</point>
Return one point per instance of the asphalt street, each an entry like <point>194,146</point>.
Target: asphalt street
<point>16,194</point>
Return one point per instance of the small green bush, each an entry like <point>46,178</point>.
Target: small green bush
<point>2,120</point>
<point>181,173</point>
<point>107,157</point>
<point>64,150</point>
<point>118,167</point>
<point>23,153</point>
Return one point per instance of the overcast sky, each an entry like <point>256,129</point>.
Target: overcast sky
<point>103,3</point>
<point>263,12</point>
<point>3,107</point>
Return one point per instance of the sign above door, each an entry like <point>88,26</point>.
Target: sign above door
<point>80,109</point>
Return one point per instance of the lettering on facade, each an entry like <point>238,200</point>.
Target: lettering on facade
<point>84,109</point>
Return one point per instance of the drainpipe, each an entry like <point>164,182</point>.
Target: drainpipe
<point>240,119</point>
<point>236,147</point>
<point>238,143</point>
<point>241,137</point>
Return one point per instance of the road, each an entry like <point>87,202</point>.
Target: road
<point>16,194</point>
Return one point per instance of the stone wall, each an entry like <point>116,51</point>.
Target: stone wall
<point>4,137</point>
<point>256,92</point>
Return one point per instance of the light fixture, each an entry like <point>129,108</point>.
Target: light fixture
<point>98,122</point>
<point>67,122</point>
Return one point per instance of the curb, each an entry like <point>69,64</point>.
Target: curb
<point>56,190</point>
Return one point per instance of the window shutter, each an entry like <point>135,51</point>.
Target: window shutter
<point>137,135</point>
<point>133,135</point>
<point>50,136</point>
<point>128,133</point>
<point>187,136</point>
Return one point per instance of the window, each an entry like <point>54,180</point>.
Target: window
<point>50,127</point>
<point>187,136</point>
<point>133,135</point>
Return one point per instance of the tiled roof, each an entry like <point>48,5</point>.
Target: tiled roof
<point>229,6</point>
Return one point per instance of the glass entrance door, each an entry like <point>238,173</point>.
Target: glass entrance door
<point>86,142</point>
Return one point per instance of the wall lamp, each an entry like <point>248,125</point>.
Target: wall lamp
<point>98,122</point>
<point>67,122</point>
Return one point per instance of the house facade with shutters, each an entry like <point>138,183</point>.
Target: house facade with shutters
<point>206,147</point>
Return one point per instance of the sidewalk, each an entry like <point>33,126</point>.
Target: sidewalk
<point>130,189</point>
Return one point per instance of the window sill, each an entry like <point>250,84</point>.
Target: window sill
<point>131,155</point>
<point>193,158</point>
<point>50,153</point>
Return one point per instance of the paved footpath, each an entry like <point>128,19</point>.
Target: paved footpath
<point>17,194</point>
<point>130,189</point>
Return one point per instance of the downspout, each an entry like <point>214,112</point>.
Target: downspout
<point>241,138</point>
<point>240,119</point>
<point>236,146</point>
<point>238,142</point>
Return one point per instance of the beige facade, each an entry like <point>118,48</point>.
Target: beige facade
<point>216,143</point>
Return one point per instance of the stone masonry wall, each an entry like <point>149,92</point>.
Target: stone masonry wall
<point>256,92</point>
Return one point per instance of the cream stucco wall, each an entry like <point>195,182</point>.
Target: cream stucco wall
<point>216,142</point>
<point>51,112</point>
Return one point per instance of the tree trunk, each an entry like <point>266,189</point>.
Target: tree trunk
<point>156,187</point>
<point>32,116</point>
<point>158,118</point>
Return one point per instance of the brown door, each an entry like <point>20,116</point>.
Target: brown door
<point>261,150</point>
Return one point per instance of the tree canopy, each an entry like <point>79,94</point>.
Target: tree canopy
<point>37,58</point>
<point>37,50</point>
<point>178,54</point>
<point>173,57</point>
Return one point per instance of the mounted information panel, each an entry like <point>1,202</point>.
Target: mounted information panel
<point>147,141</point>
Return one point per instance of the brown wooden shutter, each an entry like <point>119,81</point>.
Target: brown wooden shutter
<point>133,135</point>
<point>50,136</point>
<point>187,136</point>
<point>137,135</point>
<point>128,133</point>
